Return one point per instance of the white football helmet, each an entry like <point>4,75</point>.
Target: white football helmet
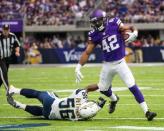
<point>88,109</point>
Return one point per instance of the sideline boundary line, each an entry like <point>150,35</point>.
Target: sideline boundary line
<point>87,65</point>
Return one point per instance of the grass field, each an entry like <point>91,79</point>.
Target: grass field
<point>128,115</point>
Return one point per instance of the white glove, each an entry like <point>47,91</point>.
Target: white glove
<point>78,74</point>
<point>132,36</point>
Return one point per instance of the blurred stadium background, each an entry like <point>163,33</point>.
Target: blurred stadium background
<point>55,31</point>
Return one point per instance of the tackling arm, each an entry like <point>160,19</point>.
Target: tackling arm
<point>91,88</point>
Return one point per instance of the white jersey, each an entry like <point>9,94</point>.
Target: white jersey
<point>67,108</point>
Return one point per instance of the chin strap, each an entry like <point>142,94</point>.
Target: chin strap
<point>101,27</point>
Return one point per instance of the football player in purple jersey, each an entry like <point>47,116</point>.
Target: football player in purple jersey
<point>108,34</point>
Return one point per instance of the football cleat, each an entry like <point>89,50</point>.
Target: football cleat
<point>101,102</point>
<point>150,115</point>
<point>112,105</point>
<point>12,102</point>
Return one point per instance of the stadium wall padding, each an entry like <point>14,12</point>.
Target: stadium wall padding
<point>68,55</point>
<point>150,54</point>
<point>153,54</point>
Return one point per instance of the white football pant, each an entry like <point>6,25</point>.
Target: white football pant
<point>110,69</point>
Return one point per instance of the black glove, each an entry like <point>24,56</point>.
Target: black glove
<point>101,102</point>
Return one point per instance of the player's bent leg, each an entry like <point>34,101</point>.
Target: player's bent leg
<point>30,93</point>
<point>47,100</point>
<point>140,99</point>
<point>138,95</point>
<point>127,77</point>
<point>44,97</point>
<point>15,103</point>
<point>34,110</point>
<point>106,77</point>
<point>114,99</point>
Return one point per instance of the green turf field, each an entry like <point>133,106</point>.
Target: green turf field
<point>128,112</point>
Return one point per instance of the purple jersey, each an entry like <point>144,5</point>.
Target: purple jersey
<point>110,40</point>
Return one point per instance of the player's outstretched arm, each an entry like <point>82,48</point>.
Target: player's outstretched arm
<point>83,60</point>
<point>91,88</point>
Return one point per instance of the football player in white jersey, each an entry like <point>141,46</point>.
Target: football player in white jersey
<point>75,107</point>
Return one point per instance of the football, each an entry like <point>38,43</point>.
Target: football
<point>125,34</point>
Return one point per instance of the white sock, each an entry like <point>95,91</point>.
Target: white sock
<point>113,97</point>
<point>22,106</point>
<point>144,106</point>
<point>17,90</point>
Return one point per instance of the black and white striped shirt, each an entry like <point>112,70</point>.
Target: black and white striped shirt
<point>8,45</point>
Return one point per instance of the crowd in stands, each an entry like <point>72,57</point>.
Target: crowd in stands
<point>45,12</point>
<point>135,10</point>
<point>70,42</point>
<point>55,42</point>
<point>63,12</point>
<point>10,9</point>
<point>56,12</point>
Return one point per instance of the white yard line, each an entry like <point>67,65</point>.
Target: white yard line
<point>17,117</point>
<point>126,118</point>
<point>93,130</point>
<point>113,89</point>
<point>114,118</point>
<point>139,128</point>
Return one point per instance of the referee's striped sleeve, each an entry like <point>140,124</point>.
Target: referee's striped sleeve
<point>16,41</point>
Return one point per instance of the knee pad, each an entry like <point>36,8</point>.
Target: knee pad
<point>103,87</point>
<point>130,83</point>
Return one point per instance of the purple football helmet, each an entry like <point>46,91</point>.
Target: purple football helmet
<point>98,19</point>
